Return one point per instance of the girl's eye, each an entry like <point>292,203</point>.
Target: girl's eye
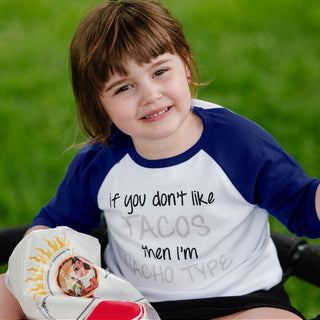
<point>122,89</point>
<point>160,72</point>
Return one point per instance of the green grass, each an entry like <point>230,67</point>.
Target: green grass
<point>261,59</point>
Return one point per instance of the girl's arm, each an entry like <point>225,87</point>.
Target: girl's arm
<point>318,201</point>
<point>9,305</point>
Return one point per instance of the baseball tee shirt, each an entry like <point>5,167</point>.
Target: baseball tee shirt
<point>194,225</point>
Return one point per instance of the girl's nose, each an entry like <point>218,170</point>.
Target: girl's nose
<point>150,93</point>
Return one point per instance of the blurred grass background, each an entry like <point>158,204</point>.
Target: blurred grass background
<point>262,59</point>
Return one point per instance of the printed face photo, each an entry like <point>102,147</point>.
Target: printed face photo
<point>77,277</point>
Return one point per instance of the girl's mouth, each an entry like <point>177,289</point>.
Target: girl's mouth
<point>156,115</point>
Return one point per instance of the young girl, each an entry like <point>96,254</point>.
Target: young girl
<point>185,186</point>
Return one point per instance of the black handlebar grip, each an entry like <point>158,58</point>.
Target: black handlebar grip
<point>306,263</point>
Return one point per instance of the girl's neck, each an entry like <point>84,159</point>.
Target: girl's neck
<point>175,144</point>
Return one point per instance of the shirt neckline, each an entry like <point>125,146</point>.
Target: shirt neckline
<point>171,161</point>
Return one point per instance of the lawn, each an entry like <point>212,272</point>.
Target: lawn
<point>259,58</point>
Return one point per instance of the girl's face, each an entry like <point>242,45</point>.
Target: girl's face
<point>152,102</point>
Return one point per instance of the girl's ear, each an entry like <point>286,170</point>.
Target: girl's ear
<point>187,64</point>
<point>188,73</point>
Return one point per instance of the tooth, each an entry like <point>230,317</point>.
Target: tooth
<point>156,114</point>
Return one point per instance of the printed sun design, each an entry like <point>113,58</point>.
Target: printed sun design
<point>41,262</point>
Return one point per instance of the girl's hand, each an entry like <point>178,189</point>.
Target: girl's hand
<point>36,228</point>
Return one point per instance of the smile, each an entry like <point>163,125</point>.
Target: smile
<point>157,114</point>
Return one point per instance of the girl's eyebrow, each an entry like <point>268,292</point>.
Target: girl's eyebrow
<point>114,84</point>
<point>161,61</point>
<point>122,80</point>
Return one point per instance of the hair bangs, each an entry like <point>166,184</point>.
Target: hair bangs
<point>135,40</point>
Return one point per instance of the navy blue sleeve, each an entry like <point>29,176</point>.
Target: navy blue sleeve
<point>75,203</point>
<point>263,172</point>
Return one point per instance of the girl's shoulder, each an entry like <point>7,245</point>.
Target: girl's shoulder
<point>226,125</point>
<point>97,158</point>
<point>205,104</point>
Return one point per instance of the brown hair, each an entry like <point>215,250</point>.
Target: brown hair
<point>108,35</point>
